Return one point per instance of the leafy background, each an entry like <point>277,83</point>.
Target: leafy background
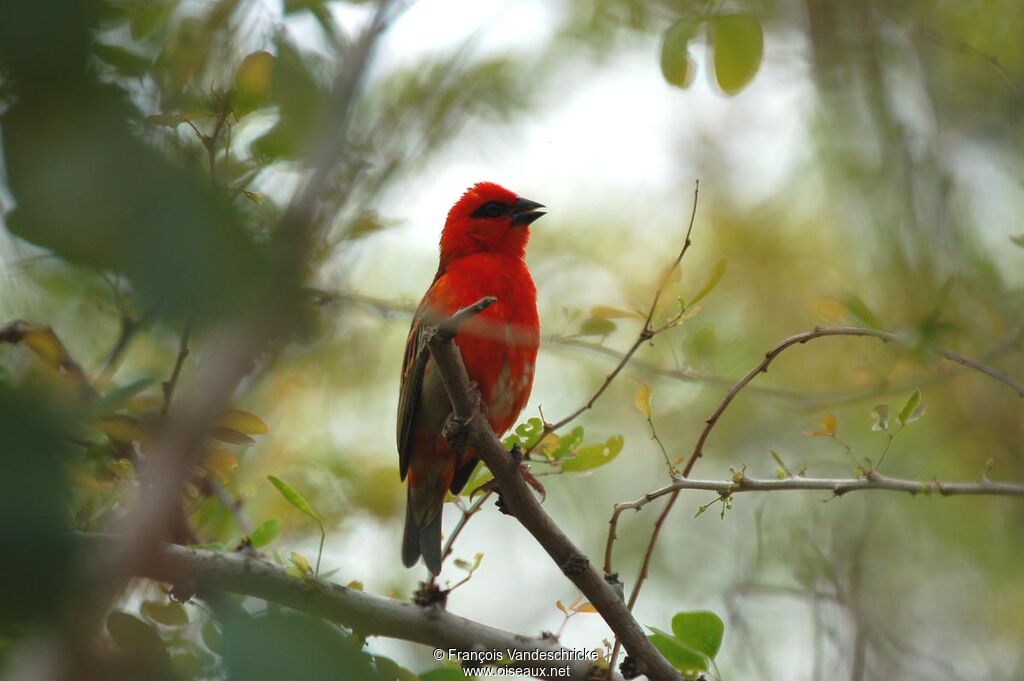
<point>859,163</point>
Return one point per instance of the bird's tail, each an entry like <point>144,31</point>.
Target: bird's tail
<point>422,530</point>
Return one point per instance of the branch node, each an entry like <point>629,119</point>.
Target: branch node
<point>429,595</point>
<point>575,565</point>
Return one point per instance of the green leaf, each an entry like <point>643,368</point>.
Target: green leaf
<point>266,533</point>
<point>568,444</point>
<point>169,614</point>
<point>1018,240</point>
<point>881,415</point>
<point>293,497</point>
<point>701,630</point>
<point>677,653</point>
<point>594,456</point>
<point>676,64</point>
<point>738,41</point>
<point>716,276</point>
<point>909,407</point>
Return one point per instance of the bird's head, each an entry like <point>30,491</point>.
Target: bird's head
<point>488,219</point>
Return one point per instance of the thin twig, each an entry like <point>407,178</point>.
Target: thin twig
<point>171,383</point>
<point>646,333</point>
<point>467,515</point>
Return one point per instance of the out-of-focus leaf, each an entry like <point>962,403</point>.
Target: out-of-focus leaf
<point>642,400</point>
<point>242,422</point>
<point>276,647</point>
<point>231,436</point>
<point>293,497</point>
<point>118,397</point>
<point>880,413</point>
<point>594,456</point>
<point>132,635</point>
<point>253,81</point>
<point>218,459</point>
<point>597,326</point>
<point>1018,239</point>
<point>444,674</point>
<point>212,637</point>
<point>266,533</point>
<point>300,562</point>
<point>828,309</point>
<point>122,428</point>
<point>860,311</point>
<point>608,312</point>
<point>169,614</point>
<point>125,62</point>
<point>676,64</point>
<point>717,272</point>
<point>909,407</point>
<point>738,41</point>
<point>176,119</point>
<point>828,426</point>
<point>147,15</point>
<point>44,342</point>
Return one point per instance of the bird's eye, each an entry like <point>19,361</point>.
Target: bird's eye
<point>491,209</point>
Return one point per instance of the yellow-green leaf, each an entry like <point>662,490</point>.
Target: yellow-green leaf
<point>266,533</point>
<point>597,326</point>
<point>121,428</point>
<point>300,562</point>
<point>243,422</point>
<point>593,456</point>
<point>293,497</point>
<point>677,66</point>
<point>717,272</point>
<point>642,400</point>
<point>231,436</point>
<point>44,342</point>
<point>909,406</point>
<point>738,41</point>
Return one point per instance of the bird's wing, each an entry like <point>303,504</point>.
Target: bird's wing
<point>414,364</point>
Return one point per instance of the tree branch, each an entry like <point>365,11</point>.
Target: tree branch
<point>204,571</point>
<point>524,506</point>
<point>837,486</point>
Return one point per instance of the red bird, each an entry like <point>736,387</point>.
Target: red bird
<point>483,250</point>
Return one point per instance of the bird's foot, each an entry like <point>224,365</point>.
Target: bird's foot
<point>456,432</point>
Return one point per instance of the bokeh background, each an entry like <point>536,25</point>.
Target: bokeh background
<point>867,170</point>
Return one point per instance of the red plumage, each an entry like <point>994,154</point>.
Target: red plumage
<point>483,249</point>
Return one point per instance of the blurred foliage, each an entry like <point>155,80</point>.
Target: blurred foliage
<point>151,147</point>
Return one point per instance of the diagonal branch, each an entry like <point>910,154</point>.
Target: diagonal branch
<point>527,510</point>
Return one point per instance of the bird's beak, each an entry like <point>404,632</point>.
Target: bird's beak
<point>524,211</point>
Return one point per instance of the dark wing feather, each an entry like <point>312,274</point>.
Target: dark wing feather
<point>413,366</point>
<point>416,356</point>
